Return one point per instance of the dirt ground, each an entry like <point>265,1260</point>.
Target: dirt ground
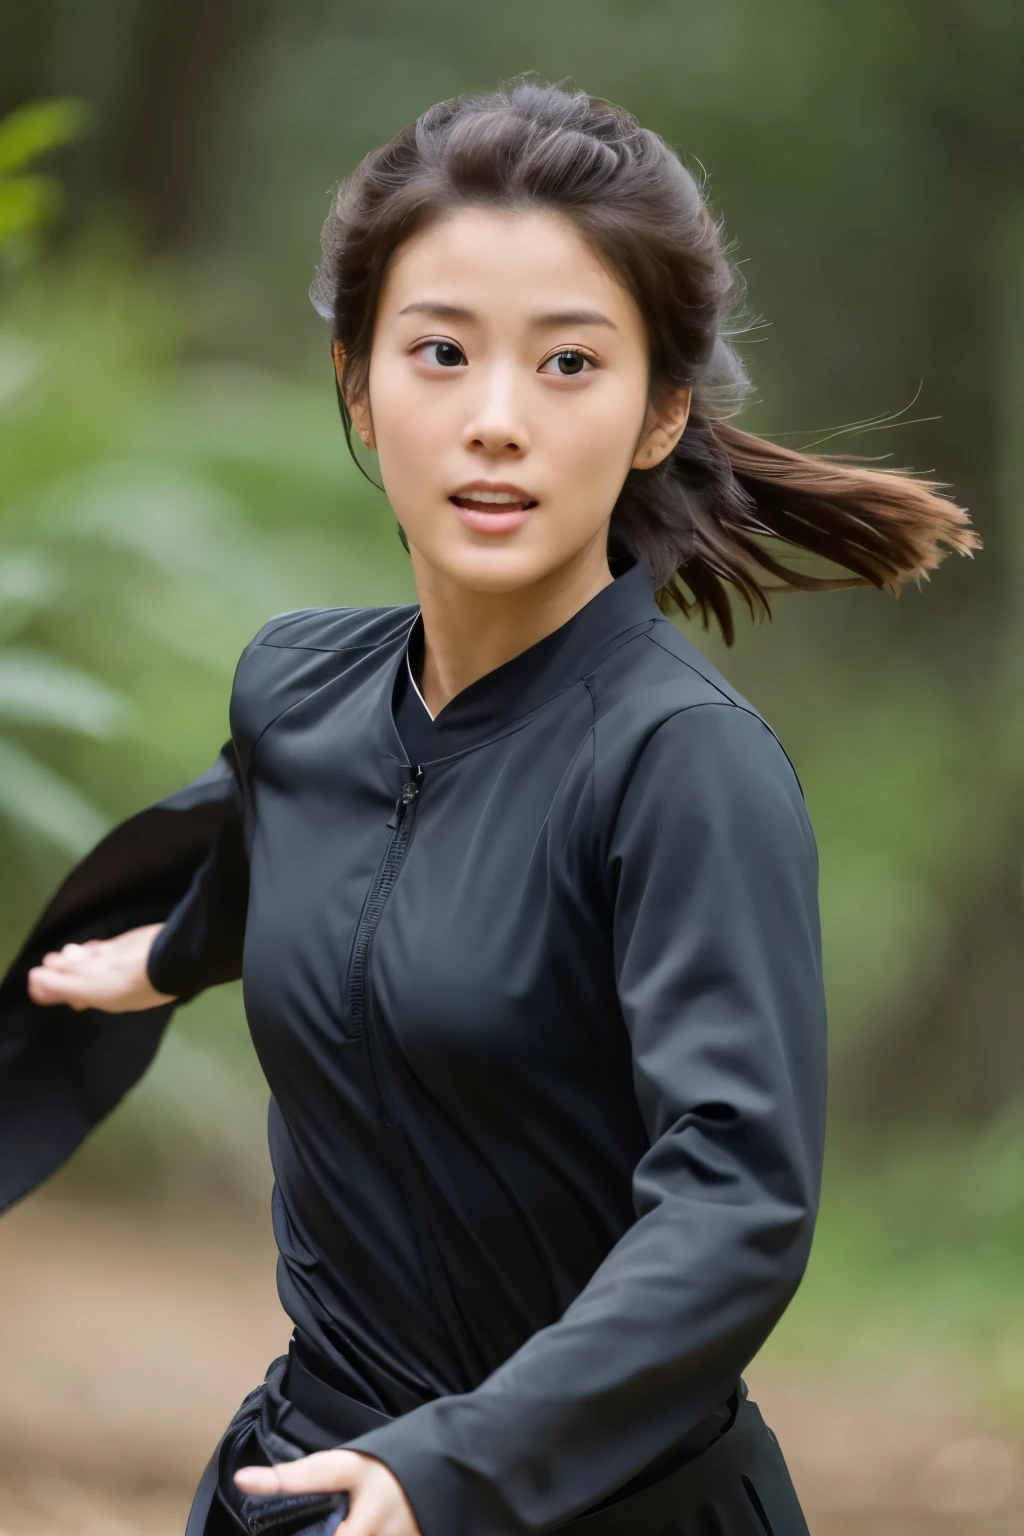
<point>127,1343</point>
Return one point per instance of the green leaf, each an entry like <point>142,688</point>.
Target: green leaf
<point>27,203</point>
<point>38,126</point>
<point>33,797</point>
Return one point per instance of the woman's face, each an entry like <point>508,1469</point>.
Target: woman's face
<point>508,397</point>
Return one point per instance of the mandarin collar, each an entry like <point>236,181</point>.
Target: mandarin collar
<point>490,705</point>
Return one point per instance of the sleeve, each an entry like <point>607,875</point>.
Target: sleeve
<point>711,876</point>
<point>180,861</point>
<point>200,944</point>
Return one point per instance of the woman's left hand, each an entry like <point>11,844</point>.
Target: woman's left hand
<point>377,1505</point>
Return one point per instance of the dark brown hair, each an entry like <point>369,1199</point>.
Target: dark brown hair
<point>723,509</point>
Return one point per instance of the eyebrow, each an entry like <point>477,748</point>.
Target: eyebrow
<point>439,311</point>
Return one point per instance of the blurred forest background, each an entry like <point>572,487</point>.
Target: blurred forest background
<point>172,471</point>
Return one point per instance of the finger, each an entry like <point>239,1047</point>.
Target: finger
<point>46,987</point>
<point>72,958</point>
<point>322,1472</point>
<point>260,1480</point>
<point>57,960</point>
<point>73,954</point>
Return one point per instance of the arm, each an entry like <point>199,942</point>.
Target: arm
<point>712,883</point>
<point>199,945</point>
<point>66,1060</point>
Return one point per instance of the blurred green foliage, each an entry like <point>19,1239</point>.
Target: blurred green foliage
<point>29,200</point>
<point>142,542</point>
<point>38,689</point>
<point>917,1260</point>
<point>172,472</point>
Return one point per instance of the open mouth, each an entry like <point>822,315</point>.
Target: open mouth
<point>493,509</point>
<point>491,502</point>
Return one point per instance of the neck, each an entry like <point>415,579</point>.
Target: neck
<point>468,633</point>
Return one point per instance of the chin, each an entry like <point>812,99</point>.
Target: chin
<point>497,568</point>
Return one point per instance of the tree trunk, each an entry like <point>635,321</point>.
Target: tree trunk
<point>167,123</point>
<point>954,1051</point>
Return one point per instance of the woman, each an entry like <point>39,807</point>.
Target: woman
<point>523,894</point>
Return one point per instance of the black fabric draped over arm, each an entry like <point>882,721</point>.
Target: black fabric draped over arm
<point>181,861</point>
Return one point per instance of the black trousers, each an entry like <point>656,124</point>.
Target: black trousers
<point>739,1486</point>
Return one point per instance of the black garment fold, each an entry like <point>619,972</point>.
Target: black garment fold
<point>62,1071</point>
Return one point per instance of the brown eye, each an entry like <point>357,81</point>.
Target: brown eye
<point>567,364</point>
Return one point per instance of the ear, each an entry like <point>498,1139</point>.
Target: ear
<point>358,406</point>
<point>663,428</point>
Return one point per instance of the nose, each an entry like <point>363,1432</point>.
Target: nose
<point>496,426</point>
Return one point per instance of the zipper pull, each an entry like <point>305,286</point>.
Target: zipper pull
<point>410,789</point>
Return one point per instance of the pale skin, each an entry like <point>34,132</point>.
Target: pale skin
<point>505,354</point>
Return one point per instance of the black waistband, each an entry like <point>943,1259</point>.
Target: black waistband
<point>321,1416</point>
<point>719,1456</point>
<point>737,1485</point>
<point>319,1413</point>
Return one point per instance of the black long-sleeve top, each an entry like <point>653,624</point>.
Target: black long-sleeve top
<point>540,1006</point>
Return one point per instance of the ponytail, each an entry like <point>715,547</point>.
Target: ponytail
<point>725,507</point>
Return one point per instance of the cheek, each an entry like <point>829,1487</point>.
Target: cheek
<point>404,427</point>
<point>595,435</point>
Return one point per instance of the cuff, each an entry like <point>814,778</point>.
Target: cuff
<point>449,1497</point>
<point>160,966</point>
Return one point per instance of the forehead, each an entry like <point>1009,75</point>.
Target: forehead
<point>504,261</point>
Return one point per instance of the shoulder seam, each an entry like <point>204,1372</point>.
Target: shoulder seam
<point>697,673</point>
<point>276,622</point>
<point>257,643</point>
<point>284,710</point>
<point>321,650</point>
<point>724,703</point>
<point>744,709</point>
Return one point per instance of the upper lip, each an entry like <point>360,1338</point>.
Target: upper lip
<point>494,485</point>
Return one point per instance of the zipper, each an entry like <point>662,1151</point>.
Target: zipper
<point>404,1167</point>
<point>384,879</point>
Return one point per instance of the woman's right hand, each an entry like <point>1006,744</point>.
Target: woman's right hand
<point>109,974</point>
